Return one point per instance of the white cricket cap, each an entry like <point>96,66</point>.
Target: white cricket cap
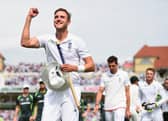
<point>40,80</point>
<point>26,86</point>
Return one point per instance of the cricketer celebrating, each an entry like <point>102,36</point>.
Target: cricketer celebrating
<point>73,56</point>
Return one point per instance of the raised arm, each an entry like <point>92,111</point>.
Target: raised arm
<point>26,40</point>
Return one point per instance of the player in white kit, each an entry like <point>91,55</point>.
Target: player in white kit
<point>59,105</point>
<point>165,105</point>
<point>115,83</point>
<point>134,98</point>
<point>151,97</point>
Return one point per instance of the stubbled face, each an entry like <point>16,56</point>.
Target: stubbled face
<point>113,67</point>
<point>26,91</point>
<point>149,76</point>
<point>42,86</point>
<point>166,84</point>
<point>61,21</point>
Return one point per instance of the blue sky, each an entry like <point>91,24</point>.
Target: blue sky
<point>110,27</point>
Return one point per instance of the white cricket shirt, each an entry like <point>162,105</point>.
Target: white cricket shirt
<point>114,84</point>
<point>148,92</point>
<point>73,49</point>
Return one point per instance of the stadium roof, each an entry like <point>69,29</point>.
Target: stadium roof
<point>160,52</point>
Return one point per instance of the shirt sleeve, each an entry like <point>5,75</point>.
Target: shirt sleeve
<point>140,95</point>
<point>42,40</point>
<point>102,81</point>
<point>82,49</point>
<point>34,98</point>
<point>17,101</point>
<point>126,79</point>
<point>162,97</point>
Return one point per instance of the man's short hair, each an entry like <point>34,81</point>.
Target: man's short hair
<point>41,82</point>
<point>112,59</point>
<point>134,79</point>
<point>164,83</point>
<point>165,79</point>
<point>63,9</point>
<point>150,69</point>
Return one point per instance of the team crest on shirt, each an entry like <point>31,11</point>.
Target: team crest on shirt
<point>69,46</point>
<point>39,96</point>
<point>27,99</point>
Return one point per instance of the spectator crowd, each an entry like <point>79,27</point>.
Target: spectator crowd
<point>30,74</point>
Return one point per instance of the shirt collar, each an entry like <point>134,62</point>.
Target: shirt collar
<point>67,39</point>
<point>111,75</point>
<point>150,83</point>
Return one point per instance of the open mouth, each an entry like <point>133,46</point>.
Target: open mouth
<point>59,22</point>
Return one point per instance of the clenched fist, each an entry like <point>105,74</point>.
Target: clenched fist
<point>33,12</point>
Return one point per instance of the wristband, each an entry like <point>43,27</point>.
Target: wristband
<point>81,68</point>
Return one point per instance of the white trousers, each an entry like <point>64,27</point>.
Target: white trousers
<point>115,115</point>
<point>156,115</point>
<point>60,106</point>
<point>134,116</point>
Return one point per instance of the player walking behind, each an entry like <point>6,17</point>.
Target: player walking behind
<point>116,84</point>
<point>151,97</point>
<point>134,99</point>
<point>38,101</point>
<point>165,105</point>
